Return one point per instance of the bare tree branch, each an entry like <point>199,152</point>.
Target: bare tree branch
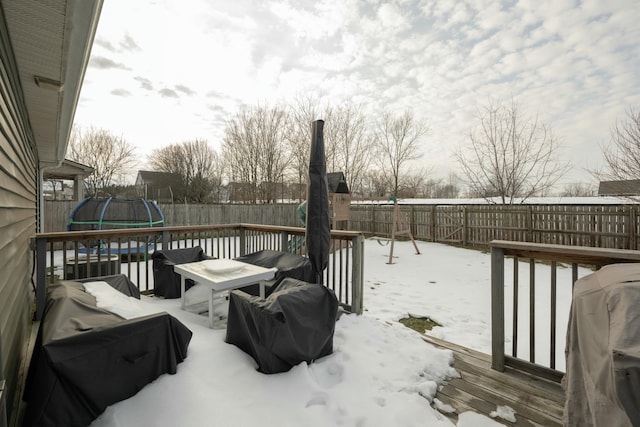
<point>198,167</point>
<point>255,151</point>
<point>510,156</point>
<point>397,140</point>
<point>110,156</point>
<point>622,154</point>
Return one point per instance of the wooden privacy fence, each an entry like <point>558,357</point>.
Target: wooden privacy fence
<point>604,226</point>
<point>56,214</point>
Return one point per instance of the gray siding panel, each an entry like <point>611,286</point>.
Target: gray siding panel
<point>18,204</point>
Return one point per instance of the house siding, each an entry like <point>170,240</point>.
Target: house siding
<point>18,219</point>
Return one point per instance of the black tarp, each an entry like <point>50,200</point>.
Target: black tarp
<point>295,323</point>
<point>288,265</point>
<point>166,282</point>
<point>86,358</point>
<point>318,231</point>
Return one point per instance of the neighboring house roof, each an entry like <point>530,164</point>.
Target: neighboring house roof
<point>68,169</point>
<point>156,177</point>
<point>51,43</point>
<point>629,187</point>
<point>337,183</point>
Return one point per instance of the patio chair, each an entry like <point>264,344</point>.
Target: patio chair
<point>166,281</point>
<point>292,325</point>
<point>288,265</point>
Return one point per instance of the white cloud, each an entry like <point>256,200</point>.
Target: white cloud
<point>576,65</point>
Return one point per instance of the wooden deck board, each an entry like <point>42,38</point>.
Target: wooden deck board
<point>536,401</point>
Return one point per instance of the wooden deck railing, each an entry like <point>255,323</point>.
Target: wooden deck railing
<point>62,255</point>
<point>554,255</point>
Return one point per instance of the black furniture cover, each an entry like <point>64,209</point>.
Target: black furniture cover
<point>166,281</point>
<point>318,235</point>
<point>288,265</point>
<point>294,324</point>
<point>86,358</point>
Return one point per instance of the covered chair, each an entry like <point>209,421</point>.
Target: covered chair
<point>288,265</point>
<point>87,358</point>
<point>166,281</point>
<point>292,325</point>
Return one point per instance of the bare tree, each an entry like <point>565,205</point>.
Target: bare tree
<point>301,113</point>
<point>397,139</point>
<point>376,184</point>
<point>110,156</point>
<point>437,188</point>
<point>578,189</point>
<point>255,151</point>
<point>510,156</point>
<point>622,154</point>
<point>352,146</point>
<point>413,184</point>
<point>196,165</point>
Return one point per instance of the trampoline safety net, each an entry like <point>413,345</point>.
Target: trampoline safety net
<point>111,213</point>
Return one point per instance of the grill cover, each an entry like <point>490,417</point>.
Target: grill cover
<point>602,382</point>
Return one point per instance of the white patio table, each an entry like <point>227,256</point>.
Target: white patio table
<point>221,275</point>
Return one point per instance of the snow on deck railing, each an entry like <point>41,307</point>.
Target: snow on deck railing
<point>80,254</point>
<point>545,300</point>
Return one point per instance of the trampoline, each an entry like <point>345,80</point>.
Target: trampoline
<point>111,213</point>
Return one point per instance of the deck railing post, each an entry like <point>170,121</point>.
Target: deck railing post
<point>357,274</point>
<point>41,275</point>
<point>284,241</point>
<point>497,308</point>
<point>243,241</point>
<point>166,240</point>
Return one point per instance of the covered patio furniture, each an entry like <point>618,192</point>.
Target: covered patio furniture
<point>87,358</point>
<point>602,381</point>
<point>166,281</point>
<point>288,265</point>
<point>294,324</point>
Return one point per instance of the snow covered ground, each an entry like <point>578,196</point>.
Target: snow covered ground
<point>380,373</point>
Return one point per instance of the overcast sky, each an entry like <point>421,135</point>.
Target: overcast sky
<point>168,71</point>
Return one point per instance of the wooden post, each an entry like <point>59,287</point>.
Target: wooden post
<point>166,240</point>
<point>433,222</point>
<point>633,244</point>
<point>465,225</point>
<point>357,278</point>
<point>41,275</point>
<point>497,309</point>
<point>243,241</point>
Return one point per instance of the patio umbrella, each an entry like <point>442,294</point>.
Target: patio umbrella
<point>318,225</point>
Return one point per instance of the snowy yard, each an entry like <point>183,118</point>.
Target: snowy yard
<point>380,374</point>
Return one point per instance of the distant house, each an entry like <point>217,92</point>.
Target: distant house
<point>241,192</point>
<point>158,186</point>
<point>629,187</point>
